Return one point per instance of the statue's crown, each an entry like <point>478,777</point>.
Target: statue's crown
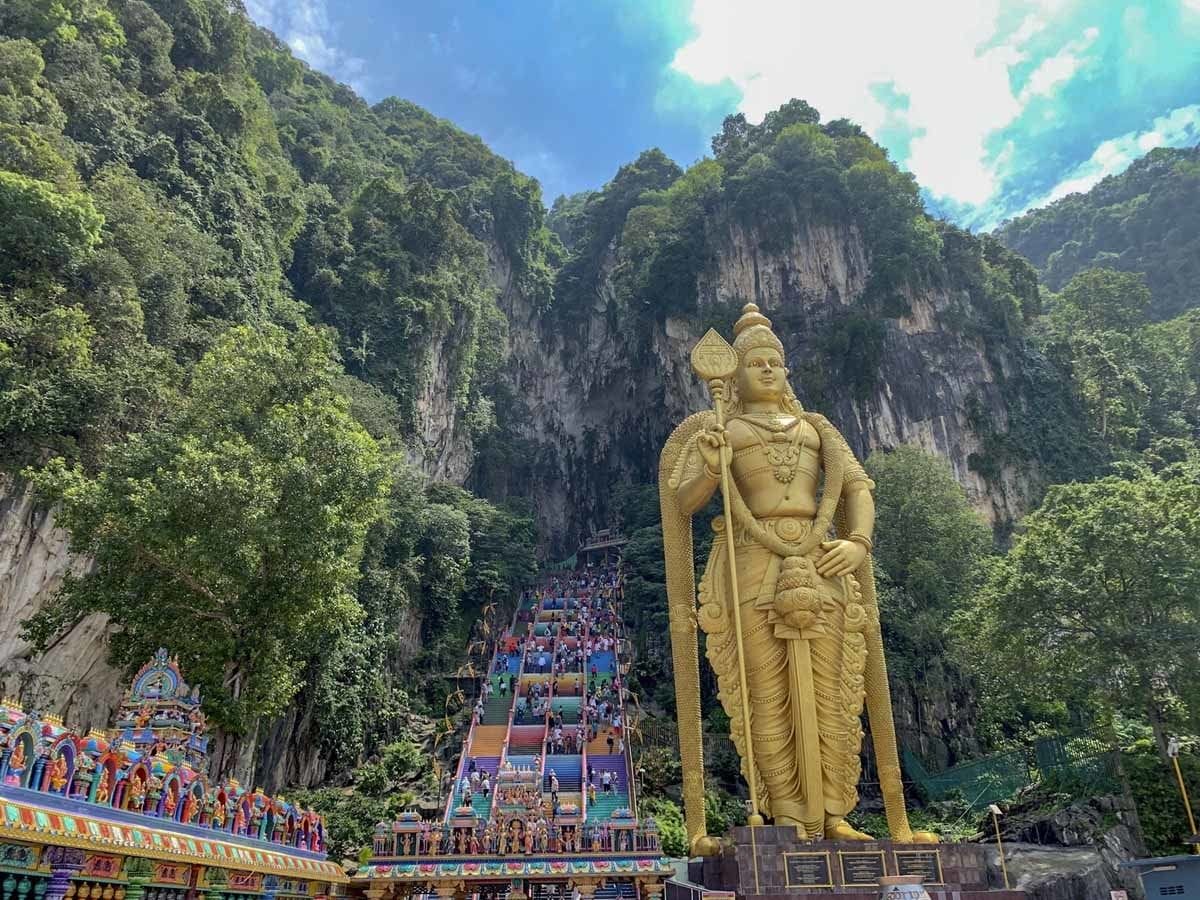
<point>753,330</point>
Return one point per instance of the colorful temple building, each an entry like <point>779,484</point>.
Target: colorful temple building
<point>132,815</point>
<point>542,803</point>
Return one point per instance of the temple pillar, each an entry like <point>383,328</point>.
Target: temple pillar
<point>64,862</point>
<point>138,872</point>
<point>652,890</point>
<point>586,886</point>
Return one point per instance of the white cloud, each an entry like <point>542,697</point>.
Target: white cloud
<point>1180,127</point>
<point>304,25</point>
<point>1056,70</point>
<point>951,61</point>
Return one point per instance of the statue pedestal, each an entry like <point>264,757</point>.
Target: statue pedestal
<point>773,863</point>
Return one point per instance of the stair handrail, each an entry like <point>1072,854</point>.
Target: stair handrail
<point>583,723</point>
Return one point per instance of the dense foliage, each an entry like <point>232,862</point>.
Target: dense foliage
<point>1138,380</point>
<point>1095,604</point>
<point>383,788</point>
<point>224,280</point>
<point>234,525</point>
<point>1145,220</point>
<point>928,552</point>
<point>657,228</point>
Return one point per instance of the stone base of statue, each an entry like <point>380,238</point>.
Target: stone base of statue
<point>773,862</point>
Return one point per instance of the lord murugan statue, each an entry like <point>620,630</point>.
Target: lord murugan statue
<point>787,599</point>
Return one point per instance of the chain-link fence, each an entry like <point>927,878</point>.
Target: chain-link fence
<point>1082,765</point>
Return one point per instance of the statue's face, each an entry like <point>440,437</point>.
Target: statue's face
<point>761,375</point>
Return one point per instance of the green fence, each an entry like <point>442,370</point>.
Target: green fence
<point>978,782</point>
<point>1078,764</point>
<point>567,565</point>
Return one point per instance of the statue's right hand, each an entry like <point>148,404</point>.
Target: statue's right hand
<point>712,439</point>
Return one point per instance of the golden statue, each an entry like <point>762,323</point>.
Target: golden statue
<point>789,609</point>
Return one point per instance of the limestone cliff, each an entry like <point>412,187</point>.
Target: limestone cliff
<point>72,678</point>
<point>596,402</point>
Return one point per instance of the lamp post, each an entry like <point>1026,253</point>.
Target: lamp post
<point>995,811</point>
<point>1173,752</point>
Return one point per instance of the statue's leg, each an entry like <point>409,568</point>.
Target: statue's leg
<point>770,684</point>
<point>766,659</point>
<point>837,673</point>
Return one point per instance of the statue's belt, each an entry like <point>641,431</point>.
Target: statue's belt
<point>790,529</point>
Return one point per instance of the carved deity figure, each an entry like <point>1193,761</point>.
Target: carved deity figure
<point>802,651</point>
<point>58,774</point>
<point>16,762</point>
<point>137,793</point>
<point>103,787</point>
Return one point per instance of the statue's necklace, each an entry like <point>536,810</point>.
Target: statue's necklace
<point>774,422</point>
<point>783,459</point>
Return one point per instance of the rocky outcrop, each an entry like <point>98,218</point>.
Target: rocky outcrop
<point>1070,853</point>
<point>72,678</point>
<point>1055,873</point>
<point>596,398</point>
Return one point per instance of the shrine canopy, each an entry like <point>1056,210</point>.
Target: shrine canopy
<point>141,789</point>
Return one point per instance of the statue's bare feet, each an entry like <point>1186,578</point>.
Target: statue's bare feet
<point>838,829</point>
<point>925,837</point>
<point>706,845</point>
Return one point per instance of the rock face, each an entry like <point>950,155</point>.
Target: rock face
<point>596,398</point>
<point>1073,853</point>
<point>72,678</point>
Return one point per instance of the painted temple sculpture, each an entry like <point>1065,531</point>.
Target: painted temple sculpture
<point>152,763</point>
<point>134,811</point>
<point>787,599</point>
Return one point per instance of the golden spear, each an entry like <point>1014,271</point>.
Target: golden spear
<point>715,361</point>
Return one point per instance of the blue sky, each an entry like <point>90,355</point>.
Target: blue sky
<point>994,105</point>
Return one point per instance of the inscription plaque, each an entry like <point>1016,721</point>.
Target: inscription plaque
<point>808,869</point>
<point>926,863</point>
<point>861,868</point>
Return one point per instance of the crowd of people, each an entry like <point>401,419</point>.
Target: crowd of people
<point>577,655</point>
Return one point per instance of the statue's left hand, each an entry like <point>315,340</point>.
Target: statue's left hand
<point>841,558</point>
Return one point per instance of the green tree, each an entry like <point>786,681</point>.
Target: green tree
<point>930,544</point>
<point>233,530</point>
<point>1137,379</point>
<point>1095,604</point>
<point>43,232</point>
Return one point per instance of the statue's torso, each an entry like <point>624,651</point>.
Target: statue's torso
<point>767,450</point>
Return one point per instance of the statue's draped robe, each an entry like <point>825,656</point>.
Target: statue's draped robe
<point>804,643</point>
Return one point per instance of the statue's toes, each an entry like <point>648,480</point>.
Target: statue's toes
<point>925,837</point>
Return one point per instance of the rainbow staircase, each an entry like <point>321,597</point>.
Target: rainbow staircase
<point>510,736</point>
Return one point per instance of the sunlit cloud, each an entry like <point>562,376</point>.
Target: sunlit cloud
<point>305,26</point>
<point>1179,128</point>
<point>988,103</point>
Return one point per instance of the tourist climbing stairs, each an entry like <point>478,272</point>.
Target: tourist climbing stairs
<point>556,666</point>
